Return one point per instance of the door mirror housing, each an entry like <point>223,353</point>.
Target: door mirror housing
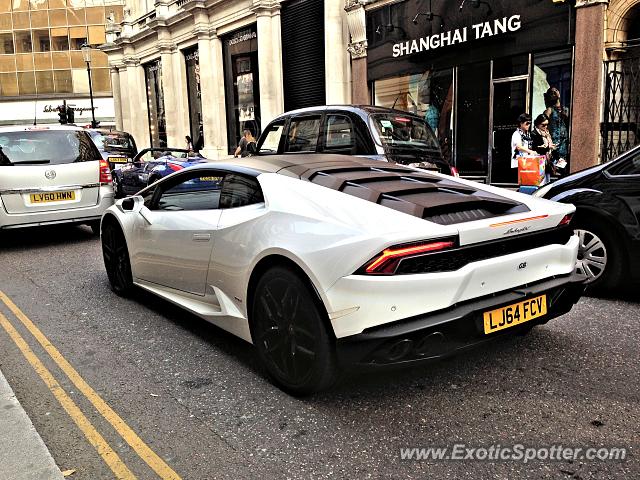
<point>132,204</point>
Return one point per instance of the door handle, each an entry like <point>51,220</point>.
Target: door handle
<point>201,237</point>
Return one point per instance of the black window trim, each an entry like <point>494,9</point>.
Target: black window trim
<point>162,187</point>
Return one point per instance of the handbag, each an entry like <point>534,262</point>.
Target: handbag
<point>531,170</point>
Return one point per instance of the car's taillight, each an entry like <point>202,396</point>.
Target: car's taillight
<point>105,172</point>
<point>387,262</point>
<point>454,172</point>
<point>566,220</point>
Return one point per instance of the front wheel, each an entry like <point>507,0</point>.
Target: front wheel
<point>288,331</point>
<point>116,259</point>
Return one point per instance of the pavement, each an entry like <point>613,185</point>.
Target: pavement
<point>23,454</point>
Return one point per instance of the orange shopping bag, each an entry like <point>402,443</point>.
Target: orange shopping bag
<point>531,170</point>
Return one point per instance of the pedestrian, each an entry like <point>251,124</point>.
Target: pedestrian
<point>244,148</point>
<point>189,143</point>
<point>542,143</point>
<point>521,140</point>
<point>558,116</point>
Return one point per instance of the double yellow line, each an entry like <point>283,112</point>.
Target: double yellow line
<point>110,457</point>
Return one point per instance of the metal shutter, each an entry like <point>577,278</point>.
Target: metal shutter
<point>303,53</point>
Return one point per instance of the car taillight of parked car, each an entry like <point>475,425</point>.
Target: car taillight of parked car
<point>387,261</point>
<point>454,172</point>
<point>105,173</point>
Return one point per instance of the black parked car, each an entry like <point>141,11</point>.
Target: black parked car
<point>116,147</point>
<point>367,131</point>
<point>607,219</point>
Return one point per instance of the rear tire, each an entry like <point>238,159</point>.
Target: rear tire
<point>116,259</point>
<point>290,336</point>
<point>599,258</point>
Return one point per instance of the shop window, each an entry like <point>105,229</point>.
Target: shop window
<point>40,19</point>
<point>44,82</point>
<point>27,83</point>
<point>8,84</point>
<point>80,80</point>
<point>155,104</point>
<point>58,18</point>
<point>5,21</point>
<point>20,5</point>
<point>303,135</point>
<point>60,39</point>
<point>97,35</point>
<point>21,20</point>
<point>428,95</point>
<point>42,61</point>
<point>6,44</point>
<point>513,66</point>
<point>24,62</point>
<point>41,40</point>
<point>77,37</point>
<point>22,42</point>
<point>551,96</point>
<point>192,66</point>
<point>95,15</point>
<point>472,129</point>
<point>101,80</point>
<point>76,16</point>
<point>7,63</point>
<point>62,81</point>
<point>38,5</point>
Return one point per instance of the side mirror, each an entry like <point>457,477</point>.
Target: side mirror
<point>132,204</point>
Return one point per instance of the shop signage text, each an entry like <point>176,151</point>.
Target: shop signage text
<point>80,110</point>
<point>242,37</point>
<point>459,35</point>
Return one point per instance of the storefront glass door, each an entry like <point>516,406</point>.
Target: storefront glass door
<point>509,100</point>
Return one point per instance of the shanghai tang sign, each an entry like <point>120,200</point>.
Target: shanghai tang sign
<point>459,35</point>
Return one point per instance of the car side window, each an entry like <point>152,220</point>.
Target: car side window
<point>338,134</point>
<point>303,134</point>
<point>630,166</point>
<point>272,139</point>
<point>148,197</point>
<point>197,190</point>
<point>240,190</point>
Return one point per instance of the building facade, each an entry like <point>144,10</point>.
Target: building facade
<point>41,63</point>
<point>471,67</point>
<point>210,69</point>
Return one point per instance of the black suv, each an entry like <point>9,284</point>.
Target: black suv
<point>367,131</point>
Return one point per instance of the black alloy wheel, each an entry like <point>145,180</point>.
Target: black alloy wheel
<point>289,334</point>
<point>116,259</point>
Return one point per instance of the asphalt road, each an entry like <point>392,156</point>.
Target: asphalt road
<point>197,397</point>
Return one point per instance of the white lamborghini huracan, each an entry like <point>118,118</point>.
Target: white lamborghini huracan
<point>326,262</point>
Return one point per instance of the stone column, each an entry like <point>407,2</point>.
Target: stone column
<point>176,129</point>
<point>136,92</point>
<point>356,20</point>
<point>269,60</point>
<point>587,83</point>
<point>115,91</point>
<point>337,65</point>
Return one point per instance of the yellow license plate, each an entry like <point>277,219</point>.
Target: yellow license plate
<point>515,314</point>
<point>118,159</point>
<point>210,179</point>
<point>53,197</point>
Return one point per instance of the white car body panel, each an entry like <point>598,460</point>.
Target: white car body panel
<point>329,235</point>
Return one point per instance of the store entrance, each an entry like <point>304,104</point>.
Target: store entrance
<point>509,99</point>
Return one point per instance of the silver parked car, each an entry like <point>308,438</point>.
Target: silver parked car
<point>52,174</point>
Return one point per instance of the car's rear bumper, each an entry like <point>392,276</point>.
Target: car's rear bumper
<point>52,217</point>
<point>445,332</point>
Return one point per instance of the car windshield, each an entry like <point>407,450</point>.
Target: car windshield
<point>46,147</point>
<point>112,141</point>
<point>396,130</point>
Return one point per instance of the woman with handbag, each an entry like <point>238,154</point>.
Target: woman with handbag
<point>542,143</point>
